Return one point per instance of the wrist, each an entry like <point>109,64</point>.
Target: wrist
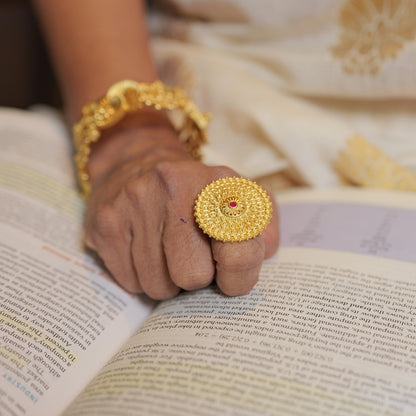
<point>140,137</point>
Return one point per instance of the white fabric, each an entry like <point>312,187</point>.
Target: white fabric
<point>285,86</point>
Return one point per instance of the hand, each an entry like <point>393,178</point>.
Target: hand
<point>140,221</point>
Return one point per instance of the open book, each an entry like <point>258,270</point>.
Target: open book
<point>330,328</point>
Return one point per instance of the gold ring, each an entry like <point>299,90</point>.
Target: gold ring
<point>233,209</point>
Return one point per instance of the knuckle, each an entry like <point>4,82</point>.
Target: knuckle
<point>194,281</point>
<point>137,191</point>
<point>132,286</point>
<point>159,293</point>
<point>170,176</point>
<point>108,221</point>
<point>166,170</point>
<point>237,257</point>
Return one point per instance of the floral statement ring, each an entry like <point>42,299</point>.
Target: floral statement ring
<point>233,209</point>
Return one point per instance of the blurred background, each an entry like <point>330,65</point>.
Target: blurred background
<point>26,76</point>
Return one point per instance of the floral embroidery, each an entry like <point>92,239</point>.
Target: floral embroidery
<point>373,31</point>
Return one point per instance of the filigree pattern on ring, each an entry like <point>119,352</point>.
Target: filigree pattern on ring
<point>233,209</point>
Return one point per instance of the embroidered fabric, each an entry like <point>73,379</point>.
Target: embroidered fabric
<point>289,83</point>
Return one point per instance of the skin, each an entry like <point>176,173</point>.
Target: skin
<point>140,213</point>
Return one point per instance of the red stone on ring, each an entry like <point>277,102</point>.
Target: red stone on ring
<point>233,204</point>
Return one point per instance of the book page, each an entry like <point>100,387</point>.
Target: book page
<point>326,330</point>
<point>61,316</point>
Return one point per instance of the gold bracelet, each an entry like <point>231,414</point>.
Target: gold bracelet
<point>126,97</point>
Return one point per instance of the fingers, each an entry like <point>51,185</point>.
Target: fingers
<point>151,267</point>
<point>147,213</point>
<point>188,252</point>
<point>238,265</point>
<point>127,236</point>
<point>147,236</point>
<point>108,233</point>
<point>187,249</point>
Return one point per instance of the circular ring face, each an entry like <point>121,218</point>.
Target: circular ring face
<point>233,209</point>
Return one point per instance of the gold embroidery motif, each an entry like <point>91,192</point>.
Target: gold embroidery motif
<point>363,164</point>
<point>373,31</point>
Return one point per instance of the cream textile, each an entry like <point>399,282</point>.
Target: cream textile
<point>288,83</point>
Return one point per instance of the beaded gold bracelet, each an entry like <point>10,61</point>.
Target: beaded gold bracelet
<point>126,97</point>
